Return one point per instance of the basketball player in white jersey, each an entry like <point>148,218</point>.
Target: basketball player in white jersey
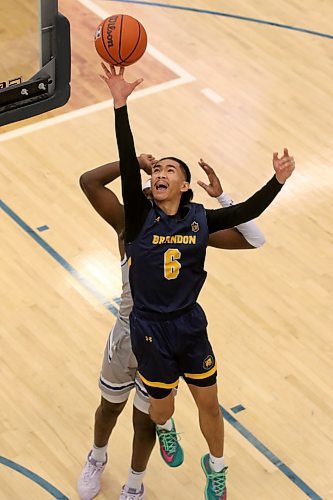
<point>118,376</point>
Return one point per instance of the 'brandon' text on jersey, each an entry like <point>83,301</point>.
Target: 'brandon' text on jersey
<point>176,238</point>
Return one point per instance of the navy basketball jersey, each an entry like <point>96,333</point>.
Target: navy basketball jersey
<point>167,260</point>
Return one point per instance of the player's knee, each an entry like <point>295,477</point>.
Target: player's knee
<point>207,403</point>
<point>110,410</point>
<point>160,416</point>
<point>210,407</point>
<point>142,423</point>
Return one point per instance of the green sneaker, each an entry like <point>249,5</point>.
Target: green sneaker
<point>215,486</point>
<point>171,451</point>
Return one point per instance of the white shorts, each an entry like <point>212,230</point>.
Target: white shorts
<point>119,370</point>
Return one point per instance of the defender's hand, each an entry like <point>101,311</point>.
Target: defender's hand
<point>214,188</point>
<point>147,162</point>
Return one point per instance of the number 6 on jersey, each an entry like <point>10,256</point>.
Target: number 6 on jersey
<point>171,264</point>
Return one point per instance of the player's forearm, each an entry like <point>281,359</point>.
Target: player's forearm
<point>129,165</point>
<point>100,176</point>
<point>249,230</point>
<point>135,203</point>
<point>243,212</point>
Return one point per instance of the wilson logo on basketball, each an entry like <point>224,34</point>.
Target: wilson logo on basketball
<point>208,362</point>
<point>109,30</point>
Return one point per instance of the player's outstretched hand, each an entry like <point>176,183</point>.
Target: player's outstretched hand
<point>283,166</point>
<point>146,162</point>
<point>119,88</point>
<point>214,187</point>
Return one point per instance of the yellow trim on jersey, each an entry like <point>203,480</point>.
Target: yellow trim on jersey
<point>161,385</point>
<point>129,262</point>
<point>201,375</point>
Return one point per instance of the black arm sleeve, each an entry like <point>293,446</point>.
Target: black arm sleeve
<point>224,218</point>
<point>136,205</point>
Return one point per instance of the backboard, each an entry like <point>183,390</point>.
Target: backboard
<point>35,59</point>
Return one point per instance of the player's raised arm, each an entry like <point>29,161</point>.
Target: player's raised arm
<point>135,203</point>
<point>93,183</point>
<point>105,202</point>
<point>254,206</point>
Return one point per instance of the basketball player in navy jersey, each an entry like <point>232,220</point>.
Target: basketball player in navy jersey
<point>118,375</point>
<point>166,240</point>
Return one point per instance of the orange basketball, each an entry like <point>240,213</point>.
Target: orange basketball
<point>120,40</point>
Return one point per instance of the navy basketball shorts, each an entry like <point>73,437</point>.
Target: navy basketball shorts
<point>169,346</point>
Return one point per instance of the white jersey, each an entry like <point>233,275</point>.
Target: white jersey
<point>126,301</point>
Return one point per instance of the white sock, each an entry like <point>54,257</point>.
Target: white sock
<point>167,426</point>
<point>135,479</point>
<point>99,454</point>
<point>216,463</point>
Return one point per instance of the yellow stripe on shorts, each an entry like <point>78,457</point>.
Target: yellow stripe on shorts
<point>161,385</point>
<point>201,375</point>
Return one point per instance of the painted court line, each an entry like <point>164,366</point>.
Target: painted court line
<point>230,16</point>
<point>34,477</point>
<point>93,108</point>
<point>213,96</point>
<point>157,54</point>
<point>270,456</point>
<point>183,78</point>
<point>307,490</point>
<point>57,257</point>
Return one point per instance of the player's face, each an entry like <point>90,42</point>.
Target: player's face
<point>168,180</point>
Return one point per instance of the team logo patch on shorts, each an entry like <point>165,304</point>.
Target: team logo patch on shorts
<point>195,226</point>
<point>208,362</point>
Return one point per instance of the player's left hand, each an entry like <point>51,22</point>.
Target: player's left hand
<point>119,88</point>
<point>146,162</point>
<point>214,188</point>
<point>283,166</point>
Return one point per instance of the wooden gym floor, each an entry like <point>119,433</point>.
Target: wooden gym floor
<point>219,84</point>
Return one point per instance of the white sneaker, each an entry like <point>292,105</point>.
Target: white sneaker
<point>131,494</point>
<point>89,482</point>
